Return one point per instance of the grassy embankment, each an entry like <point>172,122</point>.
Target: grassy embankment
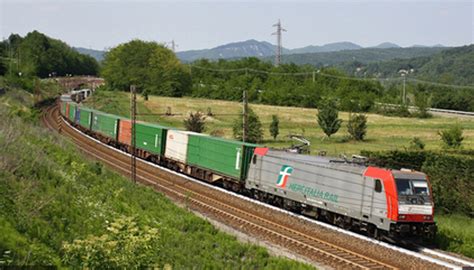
<point>52,198</point>
<point>384,133</point>
<point>456,233</point>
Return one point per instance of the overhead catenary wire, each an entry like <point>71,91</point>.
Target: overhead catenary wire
<point>320,73</point>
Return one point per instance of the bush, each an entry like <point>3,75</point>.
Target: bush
<point>417,144</point>
<point>357,126</point>
<point>195,122</point>
<point>274,129</point>
<point>393,110</point>
<point>422,101</point>
<point>452,137</point>
<point>328,117</point>
<point>125,245</point>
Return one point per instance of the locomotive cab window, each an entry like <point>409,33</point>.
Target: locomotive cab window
<point>378,185</point>
<point>254,159</point>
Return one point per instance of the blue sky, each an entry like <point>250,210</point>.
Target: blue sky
<point>205,24</point>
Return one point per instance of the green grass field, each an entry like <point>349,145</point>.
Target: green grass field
<point>384,133</point>
<point>456,234</point>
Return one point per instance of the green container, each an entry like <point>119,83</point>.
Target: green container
<point>151,138</point>
<point>63,107</point>
<point>72,111</point>
<point>85,118</point>
<point>106,124</point>
<point>226,157</point>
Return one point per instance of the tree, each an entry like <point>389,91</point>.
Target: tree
<point>274,126</point>
<point>422,101</point>
<point>195,122</point>
<point>452,137</point>
<point>254,132</point>
<point>328,117</point>
<point>357,126</point>
<point>149,66</point>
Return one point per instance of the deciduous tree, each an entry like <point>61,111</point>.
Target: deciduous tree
<point>328,117</point>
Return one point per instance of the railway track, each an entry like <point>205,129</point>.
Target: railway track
<point>253,221</point>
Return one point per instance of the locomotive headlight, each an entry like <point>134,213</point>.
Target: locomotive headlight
<point>401,217</point>
<point>428,217</point>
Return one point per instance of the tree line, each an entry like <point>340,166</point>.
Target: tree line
<point>37,55</point>
<point>156,70</point>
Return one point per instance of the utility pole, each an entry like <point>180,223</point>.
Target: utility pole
<point>279,44</point>
<point>314,76</point>
<point>244,117</point>
<point>133,117</point>
<point>404,89</point>
<point>404,74</point>
<point>11,56</point>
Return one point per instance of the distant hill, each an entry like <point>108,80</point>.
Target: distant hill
<point>452,66</point>
<point>248,48</point>
<point>386,45</point>
<point>357,57</point>
<point>324,55</point>
<point>97,54</point>
<point>331,47</point>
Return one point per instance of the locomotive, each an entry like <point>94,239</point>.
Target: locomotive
<point>382,203</point>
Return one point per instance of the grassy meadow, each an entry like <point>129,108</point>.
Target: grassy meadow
<point>384,133</point>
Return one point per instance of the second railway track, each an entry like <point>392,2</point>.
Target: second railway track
<point>253,220</point>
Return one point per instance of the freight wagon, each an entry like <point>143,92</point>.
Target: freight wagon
<point>106,125</point>
<point>216,159</point>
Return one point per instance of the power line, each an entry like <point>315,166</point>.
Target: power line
<point>320,73</point>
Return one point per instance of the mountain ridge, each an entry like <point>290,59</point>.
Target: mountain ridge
<point>264,49</point>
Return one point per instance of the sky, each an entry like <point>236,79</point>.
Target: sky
<point>192,24</point>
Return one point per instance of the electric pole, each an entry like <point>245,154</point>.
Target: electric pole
<point>133,117</point>
<point>404,74</point>
<point>173,46</point>
<point>244,117</point>
<point>279,44</point>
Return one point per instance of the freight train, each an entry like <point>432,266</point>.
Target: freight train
<point>382,203</point>
<point>76,95</point>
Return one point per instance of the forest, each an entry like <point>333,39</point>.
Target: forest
<point>39,55</point>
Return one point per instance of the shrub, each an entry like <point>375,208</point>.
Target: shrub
<point>328,117</point>
<point>125,245</point>
<point>357,126</point>
<point>145,94</point>
<point>422,101</point>
<point>417,144</point>
<point>274,128</point>
<point>195,122</point>
<point>452,137</point>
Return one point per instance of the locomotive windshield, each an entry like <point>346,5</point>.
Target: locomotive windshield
<point>413,191</point>
<point>412,187</point>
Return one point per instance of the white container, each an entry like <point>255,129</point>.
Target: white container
<point>177,145</point>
